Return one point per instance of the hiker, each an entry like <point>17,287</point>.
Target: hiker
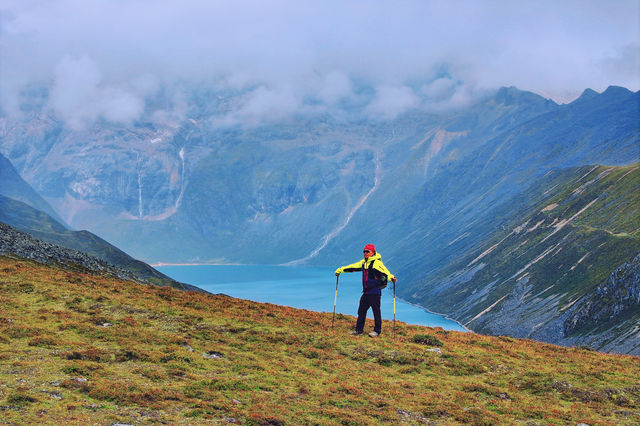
<point>374,278</point>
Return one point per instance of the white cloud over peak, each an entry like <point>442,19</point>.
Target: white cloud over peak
<point>103,58</point>
<point>390,101</point>
<point>79,96</point>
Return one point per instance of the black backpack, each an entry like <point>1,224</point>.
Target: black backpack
<point>380,277</point>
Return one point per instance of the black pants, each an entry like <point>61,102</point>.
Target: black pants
<point>369,301</point>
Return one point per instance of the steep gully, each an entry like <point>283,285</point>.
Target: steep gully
<point>170,211</point>
<point>331,235</point>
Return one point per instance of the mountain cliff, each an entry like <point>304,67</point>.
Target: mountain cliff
<point>14,187</point>
<point>46,240</point>
<point>559,268</point>
<point>190,186</point>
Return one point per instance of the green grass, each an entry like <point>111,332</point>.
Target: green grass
<point>268,364</point>
<point>574,229</point>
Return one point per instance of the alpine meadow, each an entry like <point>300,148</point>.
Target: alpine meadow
<point>474,162</point>
<point>79,348</point>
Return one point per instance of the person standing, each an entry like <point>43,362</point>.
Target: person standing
<point>374,278</point>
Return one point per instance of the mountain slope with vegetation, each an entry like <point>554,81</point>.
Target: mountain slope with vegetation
<point>22,208</point>
<point>549,259</point>
<point>18,244</point>
<point>43,228</point>
<point>87,349</point>
<point>432,189</point>
<point>14,187</point>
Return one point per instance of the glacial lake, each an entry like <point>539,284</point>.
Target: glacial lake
<point>311,288</point>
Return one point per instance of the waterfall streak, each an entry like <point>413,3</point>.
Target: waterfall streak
<point>352,212</point>
<point>182,185</point>
<point>139,193</point>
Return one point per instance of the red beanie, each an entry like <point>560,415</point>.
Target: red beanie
<point>370,247</point>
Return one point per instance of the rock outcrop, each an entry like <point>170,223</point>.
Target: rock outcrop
<point>612,302</point>
<point>23,245</point>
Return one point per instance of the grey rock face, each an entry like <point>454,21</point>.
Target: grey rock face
<point>619,295</point>
<point>25,246</point>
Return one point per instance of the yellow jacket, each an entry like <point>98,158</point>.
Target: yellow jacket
<point>374,277</point>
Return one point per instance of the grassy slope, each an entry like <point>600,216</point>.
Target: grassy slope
<point>42,226</point>
<point>565,262</point>
<point>589,247</point>
<point>59,363</point>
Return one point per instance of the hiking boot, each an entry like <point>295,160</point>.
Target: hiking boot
<point>355,333</point>
<point>374,334</point>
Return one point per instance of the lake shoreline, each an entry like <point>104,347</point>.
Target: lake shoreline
<point>239,275</point>
<point>466,329</point>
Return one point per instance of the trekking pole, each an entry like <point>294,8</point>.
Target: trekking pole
<point>394,309</point>
<point>335,299</point>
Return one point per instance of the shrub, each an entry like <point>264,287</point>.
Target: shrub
<point>20,399</point>
<point>427,339</point>
<point>43,341</point>
<point>19,332</point>
<point>76,370</point>
<point>89,354</point>
<point>130,355</point>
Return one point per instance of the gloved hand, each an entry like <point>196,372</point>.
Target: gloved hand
<point>394,279</point>
<point>339,271</point>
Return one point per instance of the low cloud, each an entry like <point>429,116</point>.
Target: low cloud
<point>264,105</point>
<point>623,62</point>
<point>106,60</point>
<point>390,101</point>
<point>334,87</point>
<point>80,96</point>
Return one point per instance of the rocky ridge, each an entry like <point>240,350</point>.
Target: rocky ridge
<point>564,269</point>
<point>619,296</point>
<point>15,243</point>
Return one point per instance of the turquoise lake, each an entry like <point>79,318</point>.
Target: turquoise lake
<point>311,288</point>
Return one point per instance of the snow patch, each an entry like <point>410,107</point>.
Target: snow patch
<point>570,304</point>
<point>325,240</point>
<point>519,229</point>
<point>623,176</point>
<point>86,187</point>
<point>516,230</point>
<point>536,260</point>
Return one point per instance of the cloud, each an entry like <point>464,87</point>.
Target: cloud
<point>334,86</point>
<point>282,56</point>
<point>391,101</point>
<point>623,64</point>
<point>79,95</point>
<point>264,105</point>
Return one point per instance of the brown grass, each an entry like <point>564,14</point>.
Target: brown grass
<point>83,349</point>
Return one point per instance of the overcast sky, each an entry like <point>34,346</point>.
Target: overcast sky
<point>103,58</point>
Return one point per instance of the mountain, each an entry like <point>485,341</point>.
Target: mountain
<point>79,348</point>
<point>210,192</point>
<point>42,234</point>
<point>562,265</point>
<point>13,186</point>
<point>426,187</point>
<point>22,245</point>
<point>48,240</point>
